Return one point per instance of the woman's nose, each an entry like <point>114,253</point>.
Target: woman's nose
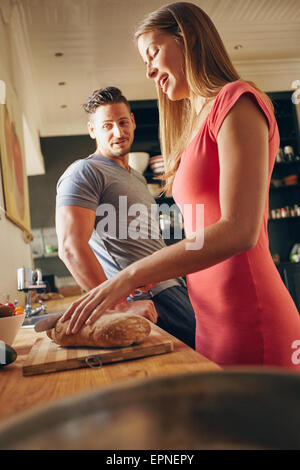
<point>151,71</point>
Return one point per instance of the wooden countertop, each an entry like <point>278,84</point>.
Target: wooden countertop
<point>19,393</point>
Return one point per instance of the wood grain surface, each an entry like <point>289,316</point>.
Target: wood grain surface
<point>19,393</point>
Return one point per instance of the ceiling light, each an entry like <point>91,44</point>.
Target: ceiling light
<point>63,105</point>
<point>61,83</point>
<point>58,54</point>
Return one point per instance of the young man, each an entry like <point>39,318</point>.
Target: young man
<point>99,232</point>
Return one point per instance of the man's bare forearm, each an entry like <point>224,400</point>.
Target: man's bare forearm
<point>84,266</point>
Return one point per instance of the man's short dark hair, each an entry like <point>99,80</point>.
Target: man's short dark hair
<point>109,95</point>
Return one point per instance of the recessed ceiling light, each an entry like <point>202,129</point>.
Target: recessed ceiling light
<point>238,46</point>
<point>58,54</point>
<point>61,83</point>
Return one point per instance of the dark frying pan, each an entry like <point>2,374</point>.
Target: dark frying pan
<point>234,409</point>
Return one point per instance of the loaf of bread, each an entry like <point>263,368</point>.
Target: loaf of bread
<point>113,329</point>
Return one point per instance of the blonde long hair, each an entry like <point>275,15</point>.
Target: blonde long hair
<point>207,67</point>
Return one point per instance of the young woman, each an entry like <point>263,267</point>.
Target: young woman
<point>219,139</point>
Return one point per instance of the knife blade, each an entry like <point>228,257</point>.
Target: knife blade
<point>48,323</point>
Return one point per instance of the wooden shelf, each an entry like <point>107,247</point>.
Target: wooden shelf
<point>285,218</point>
<point>281,164</point>
<point>286,186</point>
<point>46,255</point>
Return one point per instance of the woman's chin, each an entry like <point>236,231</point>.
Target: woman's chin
<point>176,96</point>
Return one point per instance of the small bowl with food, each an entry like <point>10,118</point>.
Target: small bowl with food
<point>11,320</point>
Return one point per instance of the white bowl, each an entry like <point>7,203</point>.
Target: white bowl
<point>9,327</point>
<point>139,161</point>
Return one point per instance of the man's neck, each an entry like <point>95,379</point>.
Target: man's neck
<point>122,161</point>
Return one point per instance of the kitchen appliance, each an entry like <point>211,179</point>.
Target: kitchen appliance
<point>30,280</point>
<point>233,409</point>
<point>289,153</point>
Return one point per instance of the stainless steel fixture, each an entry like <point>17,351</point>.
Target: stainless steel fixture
<point>30,280</point>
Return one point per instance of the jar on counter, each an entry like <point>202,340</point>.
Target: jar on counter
<point>289,153</point>
<point>276,258</point>
<point>164,222</point>
<point>283,212</point>
<point>280,156</point>
<point>297,210</point>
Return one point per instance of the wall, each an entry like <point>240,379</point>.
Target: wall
<point>14,252</point>
<point>59,153</point>
<point>271,75</point>
<point>18,58</point>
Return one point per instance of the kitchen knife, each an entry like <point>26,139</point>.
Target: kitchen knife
<point>48,323</point>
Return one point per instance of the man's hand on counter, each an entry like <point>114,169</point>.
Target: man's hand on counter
<point>144,308</point>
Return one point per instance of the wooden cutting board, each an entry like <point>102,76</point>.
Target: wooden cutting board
<point>46,356</point>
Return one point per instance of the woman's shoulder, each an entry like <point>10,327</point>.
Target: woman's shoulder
<point>232,89</point>
<point>228,97</point>
<point>229,94</point>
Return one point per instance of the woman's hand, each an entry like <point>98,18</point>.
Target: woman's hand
<point>96,302</point>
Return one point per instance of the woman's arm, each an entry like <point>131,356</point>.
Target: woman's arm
<point>243,158</point>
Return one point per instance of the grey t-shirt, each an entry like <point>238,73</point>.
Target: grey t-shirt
<point>126,224</point>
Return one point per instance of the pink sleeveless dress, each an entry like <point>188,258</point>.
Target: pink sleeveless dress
<point>244,313</point>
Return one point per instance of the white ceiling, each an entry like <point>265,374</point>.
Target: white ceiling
<point>96,39</point>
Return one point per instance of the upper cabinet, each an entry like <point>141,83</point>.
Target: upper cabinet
<point>287,120</point>
<point>146,137</point>
<point>284,221</point>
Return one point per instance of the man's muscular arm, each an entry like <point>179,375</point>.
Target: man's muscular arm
<point>74,227</point>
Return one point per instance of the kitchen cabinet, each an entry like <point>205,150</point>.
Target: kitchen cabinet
<point>45,243</point>
<point>290,274</point>
<point>284,201</point>
<point>284,205</point>
<point>287,120</point>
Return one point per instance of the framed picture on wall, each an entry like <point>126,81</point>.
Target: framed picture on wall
<point>15,183</point>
